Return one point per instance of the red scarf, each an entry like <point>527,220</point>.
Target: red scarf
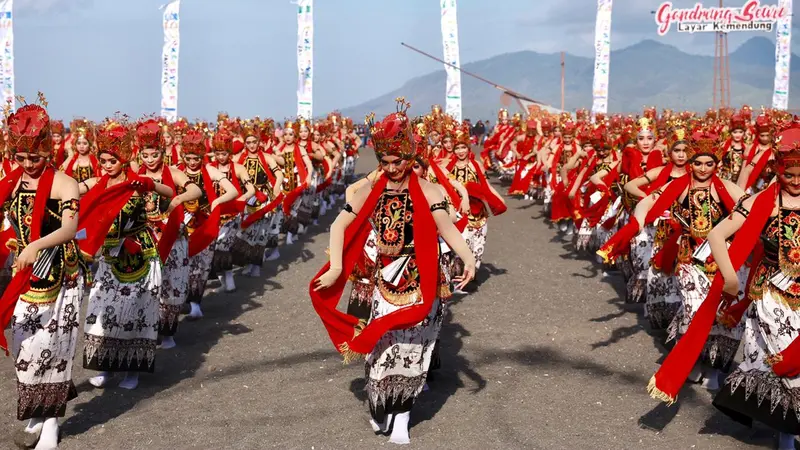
<point>234,179</point>
<point>208,230</point>
<point>169,234</point>
<point>174,157</point>
<point>74,162</point>
<point>759,167</point>
<point>620,242</point>
<point>21,282</point>
<point>342,327</point>
<point>60,154</point>
<point>293,195</point>
<point>669,379</point>
<point>261,212</point>
<point>455,199</point>
<point>101,205</point>
<point>328,179</point>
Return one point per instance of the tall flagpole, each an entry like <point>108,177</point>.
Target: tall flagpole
<point>602,56</point>
<point>783,57</point>
<point>451,55</point>
<point>7,55</point>
<point>305,59</point>
<point>169,61</point>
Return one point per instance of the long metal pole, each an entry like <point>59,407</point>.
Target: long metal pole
<point>562,81</point>
<point>495,85</point>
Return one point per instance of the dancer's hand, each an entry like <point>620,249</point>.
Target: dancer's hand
<point>174,203</point>
<point>731,287</point>
<point>327,279</point>
<point>27,257</point>
<point>464,206</point>
<point>466,276</point>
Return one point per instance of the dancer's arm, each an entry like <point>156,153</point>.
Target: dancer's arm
<point>192,191</point>
<point>451,235</point>
<point>65,189</point>
<point>719,250</point>
<point>226,185</point>
<point>244,179</point>
<point>634,187</point>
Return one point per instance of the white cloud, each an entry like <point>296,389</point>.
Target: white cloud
<point>45,6</point>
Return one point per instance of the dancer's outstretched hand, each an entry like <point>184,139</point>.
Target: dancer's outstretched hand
<point>327,279</point>
<point>466,276</point>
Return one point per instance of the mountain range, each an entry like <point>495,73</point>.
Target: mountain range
<point>646,73</point>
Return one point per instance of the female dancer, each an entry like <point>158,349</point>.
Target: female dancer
<point>171,236</point>
<point>123,314</point>
<point>210,181</point>
<point>42,206</point>
<point>83,164</point>
<point>222,264</point>
<point>765,387</point>
<point>406,310</point>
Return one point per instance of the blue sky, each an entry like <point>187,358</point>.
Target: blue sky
<point>94,57</point>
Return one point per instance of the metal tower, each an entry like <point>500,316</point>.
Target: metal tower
<point>722,71</point>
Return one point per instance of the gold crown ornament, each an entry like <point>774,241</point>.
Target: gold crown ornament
<point>393,136</point>
<point>704,143</point>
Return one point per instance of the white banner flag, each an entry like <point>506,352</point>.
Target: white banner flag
<point>305,58</point>
<point>169,61</point>
<point>783,57</point>
<point>602,56</point>
<point>450,44</point>
<point>7,58</point>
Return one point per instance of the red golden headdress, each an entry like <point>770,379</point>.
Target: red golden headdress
<point>788,154</point>
<point>82,128</point>
<point>645,124</point>
<point>222,141</point>
<point>115,138</point>
<point>462,136</point>
<point>705,143</point>
<point>393,135</point>
<point>568,128</point>
<point>57,127</point>
<point>763,124</point>
<point>29,130</point>
<point>194,143</point>
<point>738,122</point>
<point>148,134</point>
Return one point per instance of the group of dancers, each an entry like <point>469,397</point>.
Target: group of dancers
<point>700,213</point>
<point>139,215</point>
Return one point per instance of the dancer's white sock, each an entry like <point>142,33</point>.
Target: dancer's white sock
<point>289,239</point>
<point>786,441</point>
<point>256,272</point>
<point>400,429</point>
<point>247,269</point>
<point>34,425</point>
<point>100,379</point>
<point>229,284</point>
<point>195,311</point>
<point>168,342</point>
<point>711,379</point>
<point>381,427</point>
<point>130,381</point>
<point>48,440</point>
<point>275,254</point>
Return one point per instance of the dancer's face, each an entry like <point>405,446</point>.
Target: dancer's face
<point>419,169</point>
<point>288,136</point>
<point>252,143</point>
<point>152,158</point>
<point>765,138</point>
<point>703,167</point>
<point>222,156</point>
<point>678,155</point>
<point>461,151</point>
<point>304,133</point>
<point>568,138</point>
<point>435,136</point>
<point>193,162</point>
<point>168,139</point>
<point>57,138</point>
<point>448,144</point>
<point>645,140</point>
<point>32,164</point>
<point>395,168</point>
<point>82,145</point>
<point>110,164</point>
<point>737,135</point>
<point>790,180</point>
